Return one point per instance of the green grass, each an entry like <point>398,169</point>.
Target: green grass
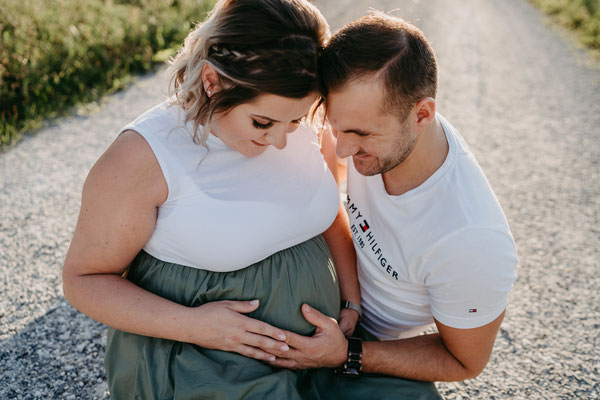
<point>58,53</point>
<point>581,16</point>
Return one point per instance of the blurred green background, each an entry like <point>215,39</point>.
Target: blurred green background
<point>57,53</point>
<point>582,16</point>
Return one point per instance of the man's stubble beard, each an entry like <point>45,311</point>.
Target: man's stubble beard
<point>402,147</point>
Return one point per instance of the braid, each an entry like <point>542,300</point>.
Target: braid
<point>294,53</point>
<point>307,52</point>
<point>256,47</point>
<point>232,56</point>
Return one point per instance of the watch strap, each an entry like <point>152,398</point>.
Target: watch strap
<point>352,306</point>
<point>353,364</point>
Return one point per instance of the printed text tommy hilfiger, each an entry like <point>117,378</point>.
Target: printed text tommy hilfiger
<point>363,236</point>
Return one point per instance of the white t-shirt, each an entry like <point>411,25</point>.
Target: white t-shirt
<point>225,211</point>
<point>442,250</point>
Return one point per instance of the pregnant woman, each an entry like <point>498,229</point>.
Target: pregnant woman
<point>210,219</point>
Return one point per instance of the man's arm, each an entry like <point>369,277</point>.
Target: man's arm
<point>451,355</point>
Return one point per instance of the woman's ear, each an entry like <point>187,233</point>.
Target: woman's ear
<point>211,82</point>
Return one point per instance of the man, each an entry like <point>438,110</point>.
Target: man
<point>433,245</point>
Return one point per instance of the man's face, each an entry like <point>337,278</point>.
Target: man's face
<point>376,140</point>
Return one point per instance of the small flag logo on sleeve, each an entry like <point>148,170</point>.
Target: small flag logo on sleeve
<point>364,226</point>
<point>472,310</point>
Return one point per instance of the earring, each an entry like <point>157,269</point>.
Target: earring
<point>208,92</point>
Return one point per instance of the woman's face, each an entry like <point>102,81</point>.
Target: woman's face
<point>250,128</point>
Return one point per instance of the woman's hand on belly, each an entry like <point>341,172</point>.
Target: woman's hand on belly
<point>220,325</point>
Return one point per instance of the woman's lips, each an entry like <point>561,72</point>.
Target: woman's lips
<point>258,144</point>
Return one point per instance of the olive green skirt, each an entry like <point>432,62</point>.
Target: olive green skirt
<point>142,367</point>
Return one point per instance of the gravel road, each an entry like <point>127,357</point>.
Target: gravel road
<point>524,97</point>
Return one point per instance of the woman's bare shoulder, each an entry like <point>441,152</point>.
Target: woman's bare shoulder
<point>129,168</point>
<point>118,208</point>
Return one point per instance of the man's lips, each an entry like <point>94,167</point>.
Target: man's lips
<point>258,144</point>
<point>361,157</point>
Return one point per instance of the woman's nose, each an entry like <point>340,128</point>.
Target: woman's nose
<point>277,138</point>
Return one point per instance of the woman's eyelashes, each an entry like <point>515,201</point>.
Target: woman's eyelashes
<point>258,125</point>
<point>269,124</point>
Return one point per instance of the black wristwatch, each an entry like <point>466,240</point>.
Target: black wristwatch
<point>352,306</point>
<point>353,365</point>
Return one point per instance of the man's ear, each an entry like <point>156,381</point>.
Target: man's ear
<point>425,111</point>
<point>211,82</point>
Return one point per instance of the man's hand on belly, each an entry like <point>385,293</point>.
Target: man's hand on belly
<point>328,347</point>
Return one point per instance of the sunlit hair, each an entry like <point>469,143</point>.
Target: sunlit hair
<point>390,47</point>
<point>257,47</point>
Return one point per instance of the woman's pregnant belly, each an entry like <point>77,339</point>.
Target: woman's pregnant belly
<point>282,282</point>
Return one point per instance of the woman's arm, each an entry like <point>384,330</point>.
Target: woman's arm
<point>339,241</point>
<point>118,215</point>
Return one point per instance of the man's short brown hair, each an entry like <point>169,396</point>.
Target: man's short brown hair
<point>389,46</point>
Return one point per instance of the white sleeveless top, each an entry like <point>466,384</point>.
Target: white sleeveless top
<point>225,211</point>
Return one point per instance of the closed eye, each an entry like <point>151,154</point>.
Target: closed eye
<point>258,125</point>
<point>357,132</point>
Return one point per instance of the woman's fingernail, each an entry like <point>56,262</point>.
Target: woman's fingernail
<point>307,308</point>
<point>281,336</point>
<point>272,358</point>
<point>253,302</point>
<point>285,347</point>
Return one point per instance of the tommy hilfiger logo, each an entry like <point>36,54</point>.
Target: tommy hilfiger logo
<point>364,238</point>
<point>364,226</point>
<point>472,310</point>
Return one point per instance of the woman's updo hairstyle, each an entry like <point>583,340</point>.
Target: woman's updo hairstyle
<point>256,46</point>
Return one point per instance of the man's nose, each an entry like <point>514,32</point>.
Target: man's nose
<point>345,146</point>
